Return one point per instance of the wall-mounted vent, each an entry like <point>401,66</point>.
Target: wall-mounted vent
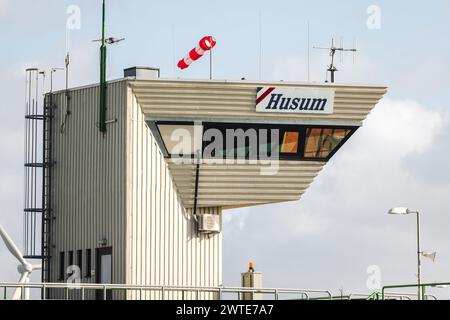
<point>208,223</point>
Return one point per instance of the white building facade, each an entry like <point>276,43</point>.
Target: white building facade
<point>122,203</point>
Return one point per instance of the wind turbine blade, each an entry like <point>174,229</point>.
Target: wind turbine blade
<point>24,277</point>
<point>36,266</point>
<point>18,292</point>
<point>27,290</point>
<point>11,246</point>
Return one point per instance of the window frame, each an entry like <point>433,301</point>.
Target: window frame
<point>222,126</point>
<point>352,129</point>
<point>163,145</point>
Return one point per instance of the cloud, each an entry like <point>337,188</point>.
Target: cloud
<point>404,127</point>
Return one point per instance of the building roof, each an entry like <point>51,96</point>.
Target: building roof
<point>191,99</point>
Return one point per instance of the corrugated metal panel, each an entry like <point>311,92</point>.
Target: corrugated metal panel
<point>165,248</point>
<point>235,185</point>
<point>236,100</point>
<point>89,178</point>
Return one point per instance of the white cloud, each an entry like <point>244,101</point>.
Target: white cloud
<point>402,127</point>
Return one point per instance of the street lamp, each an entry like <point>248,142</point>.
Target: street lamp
<point>403,211</point>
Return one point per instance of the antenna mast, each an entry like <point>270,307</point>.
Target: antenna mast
<point>332,68</point>
<point>102,118</point>
<point>103,84</point>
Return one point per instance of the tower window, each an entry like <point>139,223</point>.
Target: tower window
<point>70,258</point>
<point>322,142</point>
<point>62,265</point>
<point>80,260</point>
<point>88,263</point>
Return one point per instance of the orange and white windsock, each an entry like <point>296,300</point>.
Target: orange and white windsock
<point>205,44</point>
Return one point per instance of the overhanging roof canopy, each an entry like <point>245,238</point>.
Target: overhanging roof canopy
<point>307,139</point>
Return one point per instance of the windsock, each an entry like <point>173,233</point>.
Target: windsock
<point>205,44</point>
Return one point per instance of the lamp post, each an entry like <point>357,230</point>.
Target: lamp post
<point>402,210</point>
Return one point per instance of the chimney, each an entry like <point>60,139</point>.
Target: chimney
<point>141,73</point>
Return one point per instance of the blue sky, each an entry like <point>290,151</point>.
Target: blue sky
<point>408,134</point>
<point>412,33</point>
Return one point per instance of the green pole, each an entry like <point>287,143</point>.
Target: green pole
<point>102,118</point>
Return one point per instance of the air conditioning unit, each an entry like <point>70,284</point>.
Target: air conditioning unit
<point>208,223</point>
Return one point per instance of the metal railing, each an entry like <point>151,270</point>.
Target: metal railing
<point>390,296</point>
<point>163,292</point>
<point>422,287</point>
<point>85,291</point>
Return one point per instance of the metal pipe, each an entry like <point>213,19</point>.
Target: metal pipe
<point>435,284</point>
<point>418,256</point>
<point>197,174</point>
<point>102,116</point>
<point>210,63</point>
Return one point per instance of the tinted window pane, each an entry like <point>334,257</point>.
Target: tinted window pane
<point>70,258</point>
<point>320,142</point>
<point>178,139</point>
<point>88,263</point>
<point>290,142</point>
<point>80,260</point>
<point>62,266</point>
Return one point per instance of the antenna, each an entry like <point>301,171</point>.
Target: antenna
<point>110,40</point>
<point>308,51</point>
<point>173,52</point>
<point>260,45</point>
<point>103,85</point>
<point>43,74</point>
<point>67,58</point>
<point>67,95</point>
<point>332,68</point>
<point>52,71</point>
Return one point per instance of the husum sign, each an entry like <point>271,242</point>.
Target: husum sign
<point>295,100</point>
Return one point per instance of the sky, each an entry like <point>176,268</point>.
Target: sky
<point>339,228</point>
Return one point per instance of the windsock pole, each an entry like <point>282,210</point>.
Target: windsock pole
<point>210,63</point>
